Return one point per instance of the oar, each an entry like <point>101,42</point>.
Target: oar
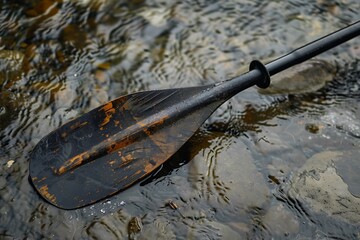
<point>111,147</point>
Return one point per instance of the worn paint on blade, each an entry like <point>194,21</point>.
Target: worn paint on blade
<point>44,191</point>
<point>109,111</point>
<point>149,167</point>
<point>72,163</point>
<point>117,123</point>
<point>42,179</point>
<point>126,160</point>
<point>154,122</point>
<point>117,145</point>
<point>106,107</point>
<point>88,156</point>
<point>78,125</point>
<point>110,145</point>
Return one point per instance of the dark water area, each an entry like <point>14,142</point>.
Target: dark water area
<point>281,165</point>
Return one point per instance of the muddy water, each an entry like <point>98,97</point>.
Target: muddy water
<point>263,166</point>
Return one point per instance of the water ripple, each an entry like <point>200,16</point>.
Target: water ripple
<point>76,55</point>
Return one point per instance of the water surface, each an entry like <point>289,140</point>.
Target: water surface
<point>238,177</point>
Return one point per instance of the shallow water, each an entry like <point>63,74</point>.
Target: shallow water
<point>236,176</point>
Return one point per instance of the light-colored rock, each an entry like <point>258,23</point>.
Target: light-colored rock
<point>156,16</point>
<point>320,183</point>
<point>158,229</point>
<point>210,228</point>
<point>228,175</point>
<point>343,120</point>
<point>10,163</point>
<point>280,221</point>
<point>65,98</point>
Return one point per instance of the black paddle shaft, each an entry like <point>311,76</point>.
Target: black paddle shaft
<point>260,74</point>
<point>312,49</point>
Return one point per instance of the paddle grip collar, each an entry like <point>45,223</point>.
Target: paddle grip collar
<point>265,80</point>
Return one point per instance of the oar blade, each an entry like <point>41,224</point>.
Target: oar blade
<point>118,167</point>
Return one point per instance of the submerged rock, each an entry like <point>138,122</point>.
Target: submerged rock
<point>281,221</point>
<point>343,120</point>
<point>306,77</point>
<point>157,229</point>
<point>212,228</point>
<point>110,226</point>
<point>9,107</point>
<point>156,16</point>
<point>229,176</point>
<point>328,183</point>
<point>10,66</point>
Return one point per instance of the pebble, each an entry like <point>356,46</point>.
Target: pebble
<point>10,163</point>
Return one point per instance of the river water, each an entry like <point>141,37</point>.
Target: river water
<point>280,165</point>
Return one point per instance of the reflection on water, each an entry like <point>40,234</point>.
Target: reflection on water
<point>59,59</point>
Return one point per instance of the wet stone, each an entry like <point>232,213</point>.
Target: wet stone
<point>9,106</point>
<point>343,120</point>
<point>229,177</point>
<point>10,65</point>
<point>158,229</point>
<point>111,226</point>
<point>65,98</point>
<point>101,230</point>
<point>328,183</point>
<point>212,228</point>
<point>280,221</point>
<point>99,97</point>
<point>194,214</point>
<point>348,169</point>
<point>2,183</point>
<point>306,77</point>
<point>156,16</point>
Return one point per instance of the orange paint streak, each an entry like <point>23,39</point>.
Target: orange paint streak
<point>109,111</point>
<point>147,131</point>
<point>116,145</point>
<point>44,191</point>
<point>44,178</point>
<point>154,123</point>
<point>106,107</point>
<point>72,163</point>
